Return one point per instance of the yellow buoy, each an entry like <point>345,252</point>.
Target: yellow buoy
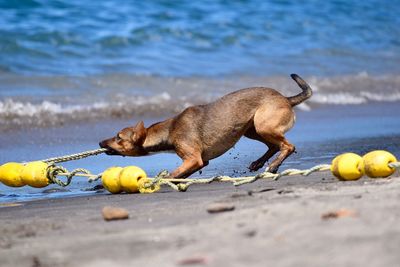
<point>10,174</point>
<point>376,163</point>
<point>347,166</point>
<point>35,174</point>
<point>111,181</point>
<point>130,177</point>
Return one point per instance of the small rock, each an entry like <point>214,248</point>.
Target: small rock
<point>55,190</point>
<point>338,214</point>
<point>113,213</point>
<point>193,260</point>
<point>285,191</point>
<point>262,190</point>
<point>250,233</point>
<point>239,195</point>
<point>36,262</point>
<point>220,207</point>
<point>94,188</point>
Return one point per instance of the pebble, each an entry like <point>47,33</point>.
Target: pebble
<point>339,214</point>
<point>250,233</point>
<point>220,207</point>
<point>113,213</point>
<point>193,261</point>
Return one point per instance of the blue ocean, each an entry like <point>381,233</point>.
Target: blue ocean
<point>70,67</point>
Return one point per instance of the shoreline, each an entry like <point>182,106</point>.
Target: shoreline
<point>271,220</point>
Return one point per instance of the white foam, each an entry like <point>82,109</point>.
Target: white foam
<point>337,99</point>
<point>390,97</point>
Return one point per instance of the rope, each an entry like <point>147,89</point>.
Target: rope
<point>180,184</point>
<point>54,171</point>
<point>183,184</point>
<point>76,156</point>
<point>162,178</point>
<point>395,165</point>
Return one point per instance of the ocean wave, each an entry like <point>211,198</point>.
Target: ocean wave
<point>54,100</point>
<point>14,114</point>
<point>337,99</point>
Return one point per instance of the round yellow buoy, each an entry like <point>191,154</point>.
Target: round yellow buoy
<point>347,166</point>
<point>35,174</point>
<point>129,178</point>
<point>376,163</point>
<point>111,181</point>
<point>10,174</point>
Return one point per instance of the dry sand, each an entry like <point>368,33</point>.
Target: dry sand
<point>273,224</point>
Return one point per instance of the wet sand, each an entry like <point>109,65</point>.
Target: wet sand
<point>274,223</point>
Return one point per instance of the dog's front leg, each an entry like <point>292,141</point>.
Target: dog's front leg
<point>188,167</point>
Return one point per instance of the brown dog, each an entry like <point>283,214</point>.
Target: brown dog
<point>201,133</point>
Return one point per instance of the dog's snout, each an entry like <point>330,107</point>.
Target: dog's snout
<point>102,144</point>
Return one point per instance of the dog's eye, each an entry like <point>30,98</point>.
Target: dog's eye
<point>118,138</point>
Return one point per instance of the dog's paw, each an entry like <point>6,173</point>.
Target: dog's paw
<point>271,169</point>
<point>256,165</point>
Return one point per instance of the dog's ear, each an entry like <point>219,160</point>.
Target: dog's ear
<point>139,125</point>
<point>139,134</point>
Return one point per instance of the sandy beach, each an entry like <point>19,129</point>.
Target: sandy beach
<point>282,223</point>
<point>73,73</point>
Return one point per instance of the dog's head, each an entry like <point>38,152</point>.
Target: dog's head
<point>128,142</point>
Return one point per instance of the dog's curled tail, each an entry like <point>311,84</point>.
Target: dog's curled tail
<point>306,94</point>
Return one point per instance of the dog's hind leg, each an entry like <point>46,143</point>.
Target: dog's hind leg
<point>286,149</point>
<point>259,163</point>
<point>271,127</point>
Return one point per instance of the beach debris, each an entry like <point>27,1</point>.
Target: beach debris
<point>250,233</point>
<point>55,190</point>
<point>220,207</point>
<point>339,214</point>
<point>285,191</point>
<point>36,262</point>
<point>97,188</point>
<point>114,213</point>
<point>198,260</point>
<point>261,190</point>
<point>239,195</point>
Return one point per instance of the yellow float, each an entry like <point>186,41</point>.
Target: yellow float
<point>10,174</point>
<point>130,179</point>
<point>35,174</point>
<point>110,180</point>
<point>376,164</point>
<point>347,166</point>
